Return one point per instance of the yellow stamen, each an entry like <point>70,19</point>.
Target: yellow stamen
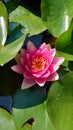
<point>38,63</point>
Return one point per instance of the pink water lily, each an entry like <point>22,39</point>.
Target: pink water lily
<point>38,65</point>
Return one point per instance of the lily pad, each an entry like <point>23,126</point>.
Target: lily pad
<point>57,15</point>
<point>33,24</point>
<point>3,24</point>
<point>6,120</point>
<point>8,52</point>
<point>39,115</point>
<point>60,103</point>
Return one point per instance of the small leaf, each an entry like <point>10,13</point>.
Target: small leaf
<point>60,103</point>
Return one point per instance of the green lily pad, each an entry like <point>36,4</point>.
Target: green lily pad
<point>65,55</point>
<point>60,103</point>
<point>64,43</point>
<point>8,52</point>
<point>37,115</point>
<point>33,24</point>
<point>3,24</point>
<point>57,15</point>
<point>6,120</point>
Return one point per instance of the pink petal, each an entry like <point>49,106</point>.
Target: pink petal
<point>42,46</point>
<point>53,77</point>
<point>53,68</point>
<point>44,51</point>
<point>52,52</point>
<point>23,61</point>
<point>40,81</point>
<point>27,83</point>
<point>46,74</point>
<point>31,47</point>
<point>50,59</point>
<point>38,53</point>
<point>18,68</point>
<point>58,60</point>
<point>28,56</point>
<point>27,68</point>
<point>23,52</point>
<point>48,47</point>
<point>27,74</point>
<point>37,75</point>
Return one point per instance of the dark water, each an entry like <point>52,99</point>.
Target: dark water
<point>6,101</point>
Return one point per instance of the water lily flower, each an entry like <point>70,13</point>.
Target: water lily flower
<point>38,65</point>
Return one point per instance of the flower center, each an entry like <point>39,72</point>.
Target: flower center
<point>38,63</point>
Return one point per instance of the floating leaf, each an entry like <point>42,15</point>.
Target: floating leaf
<point>65,43</point>
<point>38,113</point>
<point>32,23</point>
<point>8,52</point>
<point>65,55</point>
<point>57,15</point>
<point>60,103</point>
<point>3,23</point>
<point>6,120</point>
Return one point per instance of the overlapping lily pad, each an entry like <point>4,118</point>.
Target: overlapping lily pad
<point>3,24</point>
<point>32,23</point>
<point>60,103</point>
<point>57,15</point>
